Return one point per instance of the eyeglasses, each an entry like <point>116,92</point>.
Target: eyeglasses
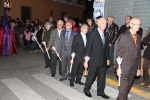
<point>136,24</point>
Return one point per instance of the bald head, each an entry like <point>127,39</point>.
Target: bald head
<point>135,24</point>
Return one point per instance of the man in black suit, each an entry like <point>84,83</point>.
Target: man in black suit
<point>97,54</point>
<point>78,48</point>
<point>64,50</point>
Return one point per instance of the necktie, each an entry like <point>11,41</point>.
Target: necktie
<point>66,40</point>
<point>135,40</point>
<point>103,38</point>
<point>107,28</point>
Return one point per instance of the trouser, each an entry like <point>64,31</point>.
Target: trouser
<point>146,67</point>
<point>92,72</point>
<point>111,55</point>
<point>47,60</point>
<point>125,86</point>
<point>77,71</point>
<point>65,64</point>
<point>54,63</point>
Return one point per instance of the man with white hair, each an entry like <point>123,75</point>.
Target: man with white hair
<point>96,56</point>
<point>54,42</point>
<point>129,48</point>
<point>45,40</point>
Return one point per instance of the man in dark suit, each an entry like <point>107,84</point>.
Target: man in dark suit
<point>78,48</point>
<point>64,51</point>
<point>129,48</point>
<point>97,54</point>
<point>54,42</point>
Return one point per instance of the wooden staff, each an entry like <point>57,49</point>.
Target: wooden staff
<point>38,44</point>
<point>72,57</point>
<point>53,48</point>
<point>45,50</point>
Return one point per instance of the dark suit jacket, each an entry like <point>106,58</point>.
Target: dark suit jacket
<point>96,51</point>
<point>78,48</point>
<point>131,55</point>
<point>146,42</point>
<point>62,48</point>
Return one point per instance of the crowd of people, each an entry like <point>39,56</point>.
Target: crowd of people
<point>90,46</point>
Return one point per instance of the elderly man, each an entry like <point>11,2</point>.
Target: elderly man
<point>130,50</point>
<point>126,26</point>
<point>97,54</point>
<point>78,49</point>
<point>112,30</point>
<point>45,40</point>
<point>54,42</point>
<point>64,51</point>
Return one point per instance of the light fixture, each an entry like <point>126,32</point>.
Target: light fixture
<point>7,5</point>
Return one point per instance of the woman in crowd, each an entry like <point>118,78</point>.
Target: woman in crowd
<point>146,56</point>
<point>27,37</point>
<point>39,34</point>
<point>74,28</point>
<point>34,44</point>
<point>21,34</point>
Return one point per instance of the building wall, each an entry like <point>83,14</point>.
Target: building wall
<point>135,8</point>
<point>41,9</point>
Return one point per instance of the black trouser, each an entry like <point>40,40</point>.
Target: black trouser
<point>146,67</point>
<point>77,71</point>
<point>54,64</point>
<point>92,72</point>
<point>47,60</point>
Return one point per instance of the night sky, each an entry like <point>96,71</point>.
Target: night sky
<point>89,9</point>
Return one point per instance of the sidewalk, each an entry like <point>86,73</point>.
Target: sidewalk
<point>139,90</point>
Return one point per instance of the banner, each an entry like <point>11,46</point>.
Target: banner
<point>98,6</point>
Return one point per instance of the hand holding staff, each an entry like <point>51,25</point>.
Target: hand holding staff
<point>38,44</point>
<point>44,43</point>
<point>86,64</point>
<point>53,48</point>
<point>119,61</point>
<point>72,56</point>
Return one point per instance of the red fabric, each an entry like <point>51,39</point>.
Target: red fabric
<point>1,41</point>
<point>13,49</point>
<point>74,28</point>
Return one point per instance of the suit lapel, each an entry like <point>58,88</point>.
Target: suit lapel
<point>99,37</point>
<point>131,39</point>
<point>81,39</point>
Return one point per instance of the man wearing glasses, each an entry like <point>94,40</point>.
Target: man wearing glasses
<point>129,49</point>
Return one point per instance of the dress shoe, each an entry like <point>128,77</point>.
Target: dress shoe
<point>81,83</point>
<point>46,66</point>
<point>53,75</point>
<point>88,94</point>
<point>71,84</point>
<point>104,96</point>
<point>62,79</point>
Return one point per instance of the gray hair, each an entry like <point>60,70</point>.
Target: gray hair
<point>98,20</point>
<point>60,22</point>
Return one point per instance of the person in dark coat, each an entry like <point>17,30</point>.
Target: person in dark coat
<point>146,56</point>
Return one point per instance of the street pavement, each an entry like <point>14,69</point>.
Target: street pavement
<point>23,77</point>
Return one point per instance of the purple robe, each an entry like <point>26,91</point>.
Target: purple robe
<point>6,42</point>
